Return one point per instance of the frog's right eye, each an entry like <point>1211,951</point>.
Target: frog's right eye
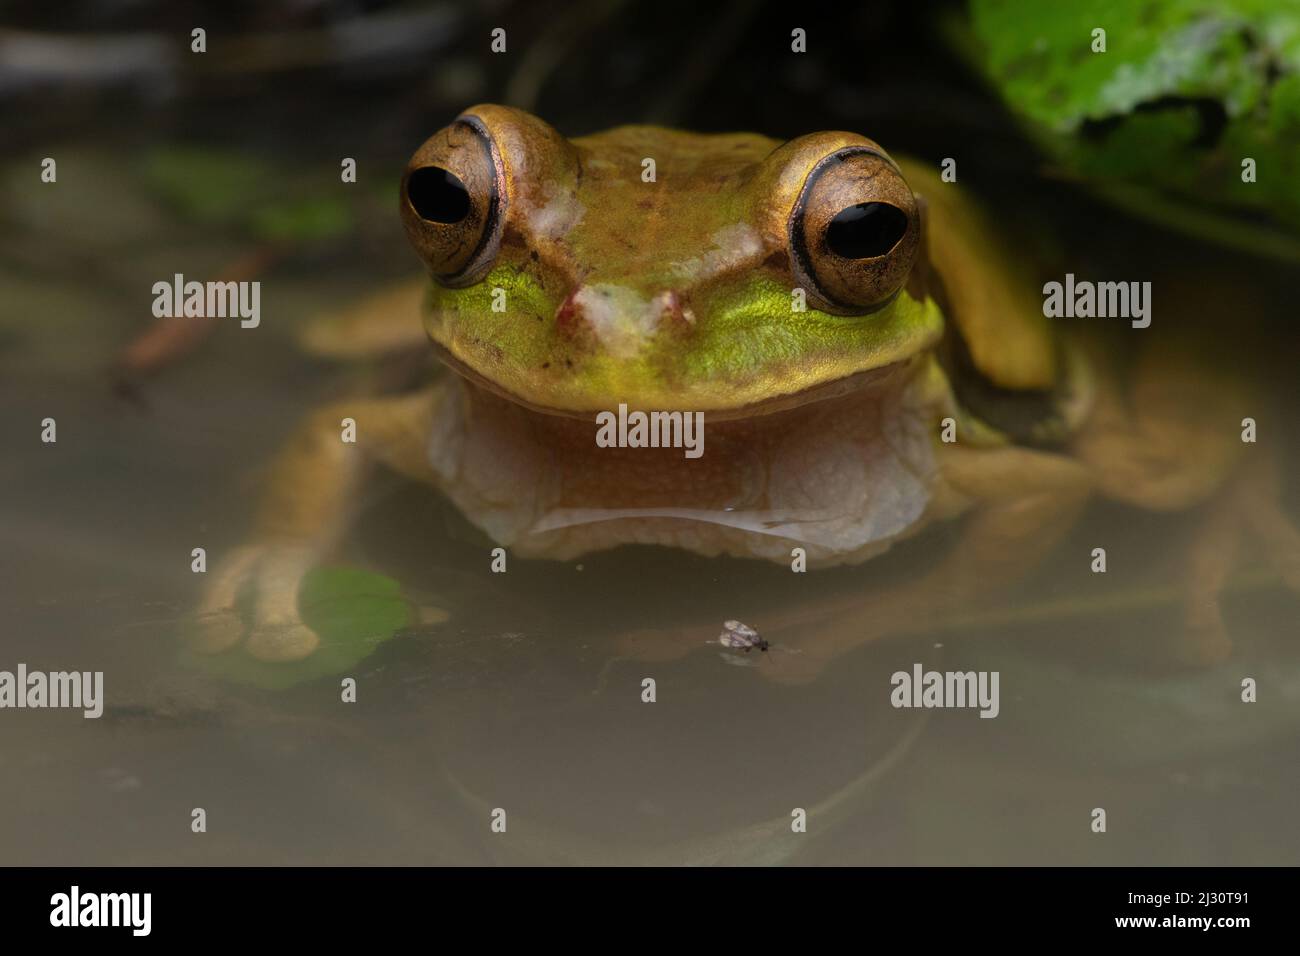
<point>453,199</point>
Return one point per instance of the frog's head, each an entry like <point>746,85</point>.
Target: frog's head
<point>729,274</point>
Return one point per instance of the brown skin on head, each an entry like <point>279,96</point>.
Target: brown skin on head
<point>673,291</point>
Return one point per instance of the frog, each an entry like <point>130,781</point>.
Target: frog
<point>869,355</point>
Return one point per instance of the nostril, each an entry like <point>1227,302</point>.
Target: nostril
<point>609,309</point>
<point>568,316</point>
<point>672,309</point>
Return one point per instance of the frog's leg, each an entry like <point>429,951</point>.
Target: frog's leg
<point>1167,440</point>
<point>305,509</point>
<point>385,322</point>
<point>1023,503</point>
<point>1248,508</point>
<point>1261,498</point>
<point>1171,441</point>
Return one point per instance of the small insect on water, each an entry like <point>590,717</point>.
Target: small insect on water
<point>741,636</point>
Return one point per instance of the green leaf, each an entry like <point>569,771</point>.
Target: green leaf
<point>1183,93</point>
<point>229,189</point>
<point>353,611</point>
<point>208,186</point>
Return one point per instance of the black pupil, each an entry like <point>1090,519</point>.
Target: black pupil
<point>866,230</point>
<point>437,195</point>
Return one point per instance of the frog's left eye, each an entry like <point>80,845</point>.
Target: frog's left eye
<point>453,202</point>
<point>854,232</point>
<point>437,195</point>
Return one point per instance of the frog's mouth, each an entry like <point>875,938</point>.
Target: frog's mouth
<point>822,391</point>
<point>842,467</point>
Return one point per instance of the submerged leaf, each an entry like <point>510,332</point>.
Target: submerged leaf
<point>353,611</point>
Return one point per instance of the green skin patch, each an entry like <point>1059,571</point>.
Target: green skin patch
<point>745,345</point>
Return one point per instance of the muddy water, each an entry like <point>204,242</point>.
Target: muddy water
<point>519,691</point>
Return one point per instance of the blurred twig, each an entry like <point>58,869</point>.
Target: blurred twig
<point>170,338</point>
<point>29,58</point>
<point>1122,599</point>
<point>551,47</point>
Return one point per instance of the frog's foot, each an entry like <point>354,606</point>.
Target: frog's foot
<point>276,631</point>
<point>1248,508</point>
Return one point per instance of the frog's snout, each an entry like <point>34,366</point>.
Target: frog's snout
<point>619,317</point>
